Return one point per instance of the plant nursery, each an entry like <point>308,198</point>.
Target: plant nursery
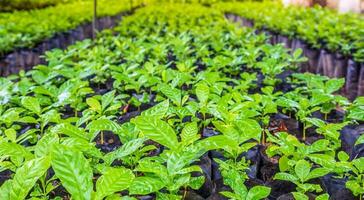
<point>180,100</point>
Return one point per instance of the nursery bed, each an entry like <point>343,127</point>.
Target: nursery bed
<point>26,58</point>
<point>320,61</point>
<point>180,104</point>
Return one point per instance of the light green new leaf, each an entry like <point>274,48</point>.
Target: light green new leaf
<point>74,171</point>
<point>285,177</point>
<point>318,172</point>
<point>158,111</point>
<point>45,144</point>
<point>302,169</point>
<point>360,140</point>
<point>104,125</point>
<point>32,104</point>
<point>323,197</point>
<point>190,133</point>
<point>26,176</point>
<point>202,92</point>
<point>145,185</point>
<point>258,192</point>
<point>299,196</point>
<point>172,93</point>
<point>107,99</point>
<point>157,130</point>
<point>94,104</point>
<point>71,131</point>
<point>113,180</point>
<point>125,150</point>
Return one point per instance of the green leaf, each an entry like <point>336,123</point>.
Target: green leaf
<point>32,104</point>
<point>354,187</point>
<point>302,169</point>
<point>10,134</point>
<point>145,185</point>
<point>157,130</point>
<point>113,180</point>
<point>158,111</point>
<point>249,129</point>
<point>258,192</point>
<point>202,92</point>
<point>125,150</point>
<point>26,176</point>
<point>318,172</point>
<point>333,85</point>
<point>360,140</point>
<point>285,177</point>
<point>323,197</point>
<point>172,93</point>
<point>299,196</point>
<point>283,163</point>
<point>94,104</point>
<point>74,171</point>
<point>15,150</point>
<point>71,131</point>
<point>107,99</point>
<point>343,156</point>
<point>104,125</point>
<point>196,182</point>
<point>190,133</point>
<point>45,144</point>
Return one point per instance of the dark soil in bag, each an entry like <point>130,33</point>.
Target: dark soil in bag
<point>352,79</point>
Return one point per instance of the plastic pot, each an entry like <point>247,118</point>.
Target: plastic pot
<point>282,39</point>
<point>312,59</point>
<point>352,79</point>
<point>361,81</point>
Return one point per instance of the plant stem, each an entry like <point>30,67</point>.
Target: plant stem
<point>263,137</point>
<point>76,113</point>
<point>102,137</point>
<point>304,132</point>
<point>325,116</point>
<point>184,193</point>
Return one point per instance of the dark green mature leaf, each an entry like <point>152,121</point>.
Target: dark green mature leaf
<point>74,171</point>
<point>157,130</point>
<point>113,180</point>
<point>32,104</point>
<point>25,178</point>
<point>145,185</point>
